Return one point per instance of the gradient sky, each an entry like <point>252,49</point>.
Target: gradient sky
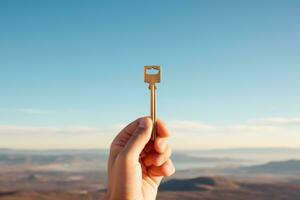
<point>71,72</point>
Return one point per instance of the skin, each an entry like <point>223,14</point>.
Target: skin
<point>137,165</point>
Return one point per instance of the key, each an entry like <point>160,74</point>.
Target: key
<point>152,79</point>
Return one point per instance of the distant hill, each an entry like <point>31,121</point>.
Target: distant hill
<point>49,157</point>
<point>53,151</point>
<point>188,158</point>
<point>289,167</point>
<point>214,164</point>
<point>197,184</point>
<point>54,160</point>
<point>249,150</point>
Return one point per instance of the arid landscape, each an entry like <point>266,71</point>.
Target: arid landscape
<point>218,79</point>
<point>76,174</point>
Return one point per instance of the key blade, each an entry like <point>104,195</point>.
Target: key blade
<point>152,78</point>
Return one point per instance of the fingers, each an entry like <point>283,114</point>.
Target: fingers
<point>125,133</point>
<point>162,130</point>
<point>156,173</point>
<point>139,138</point>
<point>161,141</point>
<point>157,159</point>
<point>160,151</point>
<point>167,169</point>
<point>160,144</point>
<point>121,139</point>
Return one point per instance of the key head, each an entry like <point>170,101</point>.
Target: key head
<point>152,78</point>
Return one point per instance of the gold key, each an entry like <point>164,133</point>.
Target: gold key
<point>152,79</point>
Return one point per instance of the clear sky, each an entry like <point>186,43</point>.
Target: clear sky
<point>71,72</point>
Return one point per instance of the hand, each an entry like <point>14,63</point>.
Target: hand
<point>137,165</point>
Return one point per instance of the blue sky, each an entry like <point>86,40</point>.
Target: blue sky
<point>70,64</point>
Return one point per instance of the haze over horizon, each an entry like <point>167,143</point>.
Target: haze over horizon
<point>71,73</point>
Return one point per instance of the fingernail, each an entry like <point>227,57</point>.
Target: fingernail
<point>144,123</point>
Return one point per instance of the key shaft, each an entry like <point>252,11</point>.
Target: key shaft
<point>152,89</point>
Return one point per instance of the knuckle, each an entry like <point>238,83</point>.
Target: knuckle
<point>169,168</point>
<point>148,123</point>
<point>172,170</point>
<point>145,122</point>
<point>161,159</point>
<point>112,144</point>
<point>170,151</point>
<point>139,134</point>
<point>125,158</point>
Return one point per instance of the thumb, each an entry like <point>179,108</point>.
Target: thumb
<point>139,138</point>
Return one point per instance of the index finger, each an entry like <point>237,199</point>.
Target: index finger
<point>162,130</point>
<point>127,131</point>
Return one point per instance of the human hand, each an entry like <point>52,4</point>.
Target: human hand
<point>137,165</point>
